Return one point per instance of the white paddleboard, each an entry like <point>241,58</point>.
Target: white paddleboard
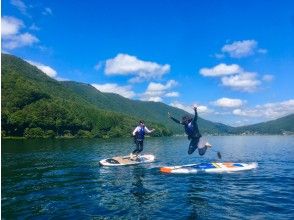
<point>209,168</point>
<point>127,160</point>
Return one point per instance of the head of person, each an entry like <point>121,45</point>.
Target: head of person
<point>186,119</point>
<point>141,123</point>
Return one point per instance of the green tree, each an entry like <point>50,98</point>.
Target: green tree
<point>34,133</point>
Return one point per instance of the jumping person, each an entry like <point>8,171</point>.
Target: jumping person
<point>139,134</point>
<point>191,129</point>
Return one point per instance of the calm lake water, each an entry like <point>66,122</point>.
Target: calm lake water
<point>53,179</point>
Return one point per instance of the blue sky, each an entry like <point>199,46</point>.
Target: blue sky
<point>233,59</point>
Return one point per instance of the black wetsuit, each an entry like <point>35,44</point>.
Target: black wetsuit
<point>192,130</point>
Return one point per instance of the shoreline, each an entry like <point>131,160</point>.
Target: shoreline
<point>175,135</point>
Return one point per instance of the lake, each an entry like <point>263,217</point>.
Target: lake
<point>53,179</point>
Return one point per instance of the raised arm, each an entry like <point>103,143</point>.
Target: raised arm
<point>196,114</point>
<point>174,119</point>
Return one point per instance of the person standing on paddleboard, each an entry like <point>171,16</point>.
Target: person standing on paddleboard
<point>139,135</point>
<point>191,129</point>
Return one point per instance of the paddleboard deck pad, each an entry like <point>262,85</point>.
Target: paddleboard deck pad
<point>127,160</point>
<point>209,168</point>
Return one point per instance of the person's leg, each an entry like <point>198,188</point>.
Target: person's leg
<point>202,150</point>
<point>140,147</point>
<point>137,150</point>
<point>193,145</point>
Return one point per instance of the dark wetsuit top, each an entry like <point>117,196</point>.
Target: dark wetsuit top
<point>191,129</point>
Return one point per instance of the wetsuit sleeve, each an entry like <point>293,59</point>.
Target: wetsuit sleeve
<point>175,120</point>
<point>195,125</point>
<point>195,116</point>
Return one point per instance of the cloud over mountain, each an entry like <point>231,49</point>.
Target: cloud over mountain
<point>11,34</point>
<point>124,64</point>
<point>125,91</point>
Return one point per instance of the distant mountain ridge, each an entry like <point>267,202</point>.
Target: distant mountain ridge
<point>35,105</point>
<point>156,111</point>
<point>284,125</point>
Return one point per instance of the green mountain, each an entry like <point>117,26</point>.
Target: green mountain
<point>153,111</point>
<point>284,125</point>
<point>35,105</point>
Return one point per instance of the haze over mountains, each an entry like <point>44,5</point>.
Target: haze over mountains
<point>35,105</point>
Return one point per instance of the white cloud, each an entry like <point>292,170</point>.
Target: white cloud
<point>268,78</point>
<point>245,48</point>
<point>203,109</point>
<point>155,91</point>
<point>21,40</point>
<point>235,77</point>
<point>229,103</point>
<point>189,108</point>
<point>246,82</point>
<point>172,94</point>
<point>269,110</point>
<point>155,99</point>
<point>61,78</point>
<point>240,49</point>
<point>44,68</point>
<point>125,91</point>
<point>20,5</point>
<point>221,70</point>
<point>182,106</point>
<point>222,113</point>
<point>124,64</point>
<point>11,36</point>
<point>240,112</point>
<point>47,11</point>
<point>154,87</point>
<point>10,26</point>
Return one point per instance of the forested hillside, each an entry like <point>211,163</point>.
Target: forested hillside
<point>153,111</point>
<point>34,105</point>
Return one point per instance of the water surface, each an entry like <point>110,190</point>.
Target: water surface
<point>52,179</point>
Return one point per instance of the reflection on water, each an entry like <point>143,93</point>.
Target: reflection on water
<point>138,189</point>
<point>63,179</point>
<point>197,204</point>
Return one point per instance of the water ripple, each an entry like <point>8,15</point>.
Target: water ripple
<point>45,180</point>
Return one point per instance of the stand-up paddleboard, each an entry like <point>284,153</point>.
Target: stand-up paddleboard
<point>127,160</point>
<point>209,168</point>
